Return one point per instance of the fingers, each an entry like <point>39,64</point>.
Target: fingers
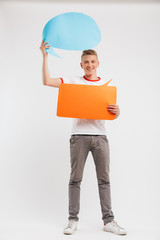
<point>44,46</point>
<point>43,43</point>
<point>112,108</point>
<point>112,111</point>
<point>112,105</point>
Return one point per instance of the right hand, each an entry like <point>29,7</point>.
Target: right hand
<point>43,47</point>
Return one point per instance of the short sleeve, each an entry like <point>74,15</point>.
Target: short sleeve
<point>69,79</point>
<point>65,80</point>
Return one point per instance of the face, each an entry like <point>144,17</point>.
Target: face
<point>89,64</point>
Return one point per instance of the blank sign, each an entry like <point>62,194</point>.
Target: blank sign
<point>86,101</point>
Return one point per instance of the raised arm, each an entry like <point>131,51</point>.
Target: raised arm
<point>47,80</point>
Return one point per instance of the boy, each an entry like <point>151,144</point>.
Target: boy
<point>87,135</point>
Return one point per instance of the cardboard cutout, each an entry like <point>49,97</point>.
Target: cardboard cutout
<point>71,31</point>
<point>86,101</point>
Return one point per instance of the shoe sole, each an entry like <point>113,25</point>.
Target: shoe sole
<point>70,233</point>
<point>114,232</point>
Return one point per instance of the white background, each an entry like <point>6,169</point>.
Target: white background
<point>34,155</point>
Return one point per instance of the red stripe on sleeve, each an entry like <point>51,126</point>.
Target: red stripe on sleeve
<point>62,80</point>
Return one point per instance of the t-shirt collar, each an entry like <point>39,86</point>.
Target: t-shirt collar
<point>91,80</point>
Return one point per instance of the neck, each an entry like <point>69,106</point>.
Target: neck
<point>91,76</point>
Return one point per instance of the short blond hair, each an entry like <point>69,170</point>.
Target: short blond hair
<point>89,52</point>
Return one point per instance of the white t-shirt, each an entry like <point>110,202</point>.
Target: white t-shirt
<point>86,126</point>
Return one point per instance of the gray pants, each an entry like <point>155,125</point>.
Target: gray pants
<point>80,145</point>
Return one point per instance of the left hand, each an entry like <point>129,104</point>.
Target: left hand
<point>113,108</point>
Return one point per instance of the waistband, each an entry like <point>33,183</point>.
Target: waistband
<point>87,135</point>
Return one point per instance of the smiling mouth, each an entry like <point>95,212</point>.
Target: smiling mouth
<point>89,69</point>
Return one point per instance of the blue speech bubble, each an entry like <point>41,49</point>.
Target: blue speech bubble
<point>71,31</point>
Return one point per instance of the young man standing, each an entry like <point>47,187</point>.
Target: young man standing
<point>87,135</point>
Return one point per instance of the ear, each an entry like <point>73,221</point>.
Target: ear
<point>81,65</point>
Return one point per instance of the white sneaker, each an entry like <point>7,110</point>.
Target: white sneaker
<point>71,228</point>
<point>114,228</point>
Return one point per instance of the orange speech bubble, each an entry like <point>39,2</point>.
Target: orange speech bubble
<point>86,101</point>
